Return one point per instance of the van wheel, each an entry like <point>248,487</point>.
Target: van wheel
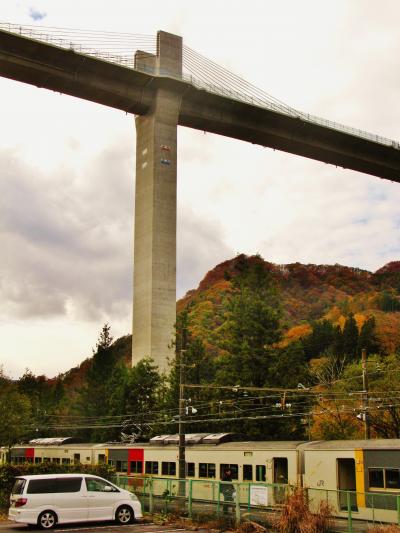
<point>47,520</point>
<point>124,515</point>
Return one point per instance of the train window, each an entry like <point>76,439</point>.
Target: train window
<point>247,472</point>
<point>168,468</point>
<point>66,461</point>
<point>190,470</point>
<point>121,466</point>
<point>260,473</point>
<point>56,460</point>
<point>233,468</point>
<point>207,470</point>
<point>46,459</point>
<point>151,467</point>
<point>376,478</point>
<point>392,478</point>
<point>111,462</point>
<point>38,460</point>
<point>101,458</point>
<point>136,467</point>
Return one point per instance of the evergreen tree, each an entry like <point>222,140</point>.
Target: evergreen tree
<point>350,337</point>
<point>320,340</point>
<point>367,338</point>
<point>252,327</point>
<point>16,414</point>
<point>388,302</point>
<point>93,396</point>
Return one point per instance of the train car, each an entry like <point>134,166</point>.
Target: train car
<point>207,456</point>
<point>361,474</point>
<point>60,450</point>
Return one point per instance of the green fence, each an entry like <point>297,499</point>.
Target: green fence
<point>256,501</point>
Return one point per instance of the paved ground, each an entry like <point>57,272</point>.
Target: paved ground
<point>95,527</point>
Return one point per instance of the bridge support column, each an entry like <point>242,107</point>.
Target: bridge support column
<point>154,284</point>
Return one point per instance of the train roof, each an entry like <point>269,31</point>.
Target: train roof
<point>204,441</point>
<point>351,444</point>
<point>54,441</point>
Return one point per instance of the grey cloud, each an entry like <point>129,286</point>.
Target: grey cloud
<point>200,248</point>
<point>67,241</point>
<point>351,219</point>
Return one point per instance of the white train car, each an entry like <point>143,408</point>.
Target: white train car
<point>361,474</point>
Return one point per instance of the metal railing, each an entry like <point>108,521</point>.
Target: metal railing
<point>205,499</point>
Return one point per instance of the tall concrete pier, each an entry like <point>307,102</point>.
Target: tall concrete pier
<point>154,284</point>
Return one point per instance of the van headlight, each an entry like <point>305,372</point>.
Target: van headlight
<point>134,497</point>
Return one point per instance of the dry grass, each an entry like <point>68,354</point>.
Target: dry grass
<point>297,518</point>
<point>392,528</point>
<point>250,527</point>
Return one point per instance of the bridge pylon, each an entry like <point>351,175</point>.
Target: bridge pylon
<point>154,279</point>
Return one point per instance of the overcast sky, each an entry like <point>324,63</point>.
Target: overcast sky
<point>67,166</point>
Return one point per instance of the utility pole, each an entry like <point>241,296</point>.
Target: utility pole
<point>182,406</point>
<point>181,431</point>
<point>367,429</point>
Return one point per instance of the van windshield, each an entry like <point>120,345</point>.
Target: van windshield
<point>18,487</point>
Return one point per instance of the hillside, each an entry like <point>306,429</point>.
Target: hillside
<point>308,293</point>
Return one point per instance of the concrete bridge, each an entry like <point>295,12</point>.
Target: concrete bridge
<point>162,98</point>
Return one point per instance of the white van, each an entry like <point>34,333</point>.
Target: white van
<point>47,500</point>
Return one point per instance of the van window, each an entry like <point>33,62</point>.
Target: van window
<point>41,486</point>
<point>18,487</point>
<point>99,485</point>
<point>69,484</point>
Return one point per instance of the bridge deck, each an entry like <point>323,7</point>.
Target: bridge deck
<point>65,71</point>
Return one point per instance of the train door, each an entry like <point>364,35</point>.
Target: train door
<point>346,482</point>
<point>280,466</point>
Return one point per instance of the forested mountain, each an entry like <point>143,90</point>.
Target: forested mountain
<point>308,293</point>
<point>294,331</point>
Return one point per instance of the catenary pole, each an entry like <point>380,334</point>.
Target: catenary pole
<point>367,429</point>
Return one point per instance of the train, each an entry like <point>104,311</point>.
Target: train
<point>361,474</point>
